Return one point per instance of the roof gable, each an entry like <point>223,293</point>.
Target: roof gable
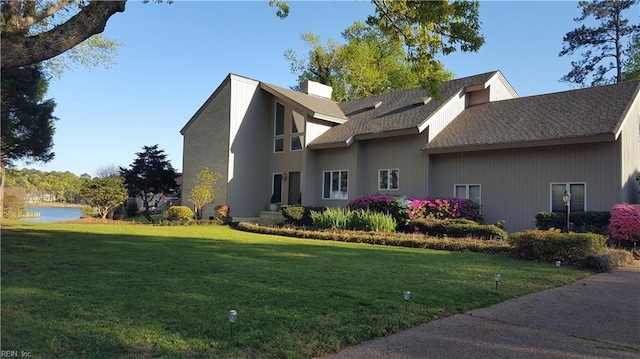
<point>401,111</point>
<point>590,114</point>
<point>320,108</point>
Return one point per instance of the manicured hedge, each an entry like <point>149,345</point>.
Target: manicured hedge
<point>590,221</point>
<point>553,245</point>
<point>387,239</point>
<point>456,228</point>
<point>178,213</point>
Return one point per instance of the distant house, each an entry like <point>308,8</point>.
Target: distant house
<point>515,156</point>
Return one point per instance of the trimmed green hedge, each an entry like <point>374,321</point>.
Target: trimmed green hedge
<point>553,245</point>
<point>178,213</point>
<point>456,228</point>
<point>591,221</point>
<point>386,239</point>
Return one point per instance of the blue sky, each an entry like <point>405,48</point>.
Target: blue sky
<point>174,56</point>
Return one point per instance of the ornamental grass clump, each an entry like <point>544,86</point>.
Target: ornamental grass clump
<point>359,220</point>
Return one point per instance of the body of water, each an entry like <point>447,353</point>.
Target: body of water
<point>54,214</point>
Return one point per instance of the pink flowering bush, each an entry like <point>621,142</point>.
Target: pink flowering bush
<point>625,222</point>
<point>404,209</point>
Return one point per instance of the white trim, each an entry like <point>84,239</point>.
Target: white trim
<point>567,187</point>
<point>389,170</point>
<point>331,184</point>
<point>467,185</point>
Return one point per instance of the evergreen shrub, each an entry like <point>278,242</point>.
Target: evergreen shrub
<point>552,245</point>
<point>178,213</point>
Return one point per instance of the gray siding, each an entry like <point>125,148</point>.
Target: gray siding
<point>515,183</point>
<point>335,159</point>
<point>402,153</point>
<point>630,153</point>
<point>248,174</point>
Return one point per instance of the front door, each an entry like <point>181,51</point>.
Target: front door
<point>294,188</point>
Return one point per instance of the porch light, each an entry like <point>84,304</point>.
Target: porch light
<point>496,278</point>
<point>566,198</point>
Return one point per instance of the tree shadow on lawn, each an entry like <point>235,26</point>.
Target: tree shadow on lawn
<point>85,294</point>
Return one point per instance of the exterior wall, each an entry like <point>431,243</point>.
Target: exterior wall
<point>334,159</point>
<point>515,183</point>
<point>500,89</point>
<point>630,153</point>
<point>402,153</point>
<point>206,144</point>
<point>444,115</point>
<point>250,114</point>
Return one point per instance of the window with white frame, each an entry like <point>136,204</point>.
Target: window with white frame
<point>468,191</point>
<point>388,179</point>
<point>578,191</point>
<point>278,129</point>
<point>335,185</point>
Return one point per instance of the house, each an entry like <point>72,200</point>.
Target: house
<point>480,140</point>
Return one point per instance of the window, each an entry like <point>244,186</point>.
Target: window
<point>278,129</point>
<point>388,179</point>
<point>277,187</point>
<point>335,185</point>
<point>296,143</point>
<point>578,202</point>
<point>297,131</point>
<point>468,191</point>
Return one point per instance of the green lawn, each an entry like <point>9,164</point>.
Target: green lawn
<point>104,291</point>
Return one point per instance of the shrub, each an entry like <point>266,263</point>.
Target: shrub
<point>590,221</point>
<point>625,222</point>
<point>387,239</point>
<point>222,213</point>
<point>404,209</point>
<point>457,228</point>
<point>12,207</point>
<point>553,245</point>
<point>298,215</point>
<point>178,213</point>
<point>360,219</point>
<point>607,261</point>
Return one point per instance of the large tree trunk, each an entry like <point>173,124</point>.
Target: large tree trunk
<point>19,50</point>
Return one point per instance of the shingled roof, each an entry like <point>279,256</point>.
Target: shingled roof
<point>403,110</point>
<point>569,116</point>
<point>321,108</point>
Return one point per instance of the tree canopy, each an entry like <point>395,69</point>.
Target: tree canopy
<point>203,191</point>
<point>368,63</point>
<point>104,194</point>
<point>150,174</point>
<point>604,56</point>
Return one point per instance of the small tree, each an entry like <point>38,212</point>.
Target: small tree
<point>203,191</point>
<point>149,174</point>
<point>105,194</point>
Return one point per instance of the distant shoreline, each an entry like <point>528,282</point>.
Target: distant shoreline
<point>54,204</point>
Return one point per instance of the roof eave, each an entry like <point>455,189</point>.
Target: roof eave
<point>511,145</point>
<point>321,116</point>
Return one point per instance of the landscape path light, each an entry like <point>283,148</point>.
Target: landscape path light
<point>406,295</point>
<point>558,264</point>
<point>233,315</point>
<point>496,278</point>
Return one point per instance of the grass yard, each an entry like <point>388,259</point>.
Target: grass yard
<point>118,291</point>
